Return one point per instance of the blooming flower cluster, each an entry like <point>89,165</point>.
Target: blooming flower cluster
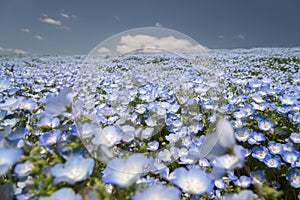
<point>182,134</point>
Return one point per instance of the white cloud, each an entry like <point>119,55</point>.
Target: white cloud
<point>39,37</point>
<point>49,20</point>
<point>20,51</point>
<point>65,15</point>
<point>157,24</point>
<point>9,50</point>
<point>117,18</point>
<point>221,36</point>
<point>130,43</point>
<point>25,30</point>
<point>103,50</point>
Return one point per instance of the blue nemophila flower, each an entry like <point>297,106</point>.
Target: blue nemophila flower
<point>212,118</point>
<point>288,147</point>
<point>196,127</point>
<point>56,105</point>
<point>189,156</point>
<point>8,158</point>
<point>260,107</point>
<point>248,108</point>
<point>295,117</point>
<point>172,138</point>
<point>140,108</point>
<point>283,109</point>
<point>63,193</point>
<point>158,192</point>
<point>48,138</point>
<point>239,123</point>
<point>293,177</point>
<point>295,137</point>
<point>23,169</point>
<point>244,194</point>
<point>194,181</point>
<point>10,104</point>
<point>240,114</point>
<point>147,133</point>
<point>258,98</point>
<point>49,121</point>
<point>219,183</point>
<point>28,104</point>
<point>256,138</point>
<point>74,170</point>
<point>290,156</point>
<point>242,134</point>
<point>297,162</point>
<point>265,124</point>
<point>158,109</point>
<point>272,162</point>
<point>108,136</point>
<point>18,134</point>
<point>260,153</point>
<point>165,155</point>
<point>244,182</point>
<point>129,133</point>
<point>124,172</point>
<point>153,145</point>
<point>151,122</point>
<point>288,99</point>
<point>107,111</point>
<point>275,148</point>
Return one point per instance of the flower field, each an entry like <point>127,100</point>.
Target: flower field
<point>229,129</point>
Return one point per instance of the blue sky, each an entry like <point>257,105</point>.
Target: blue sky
<point>77,26</point>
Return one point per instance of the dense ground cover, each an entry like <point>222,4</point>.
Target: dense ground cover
<point>167,144</point>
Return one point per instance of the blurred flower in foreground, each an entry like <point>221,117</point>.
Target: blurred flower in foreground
<point>24,169</point>
<point>244,194</point>
<point>158,192</point>
<point>124,172</point>
<point>221,150</point>
<point>194,181</point>
<point>75,169</point>
<point>4,84</point>
<point>10,104</point>
<point>56,105</point>
<point>63,193</point>
<point>218,143</point>
<point>8,158</point>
